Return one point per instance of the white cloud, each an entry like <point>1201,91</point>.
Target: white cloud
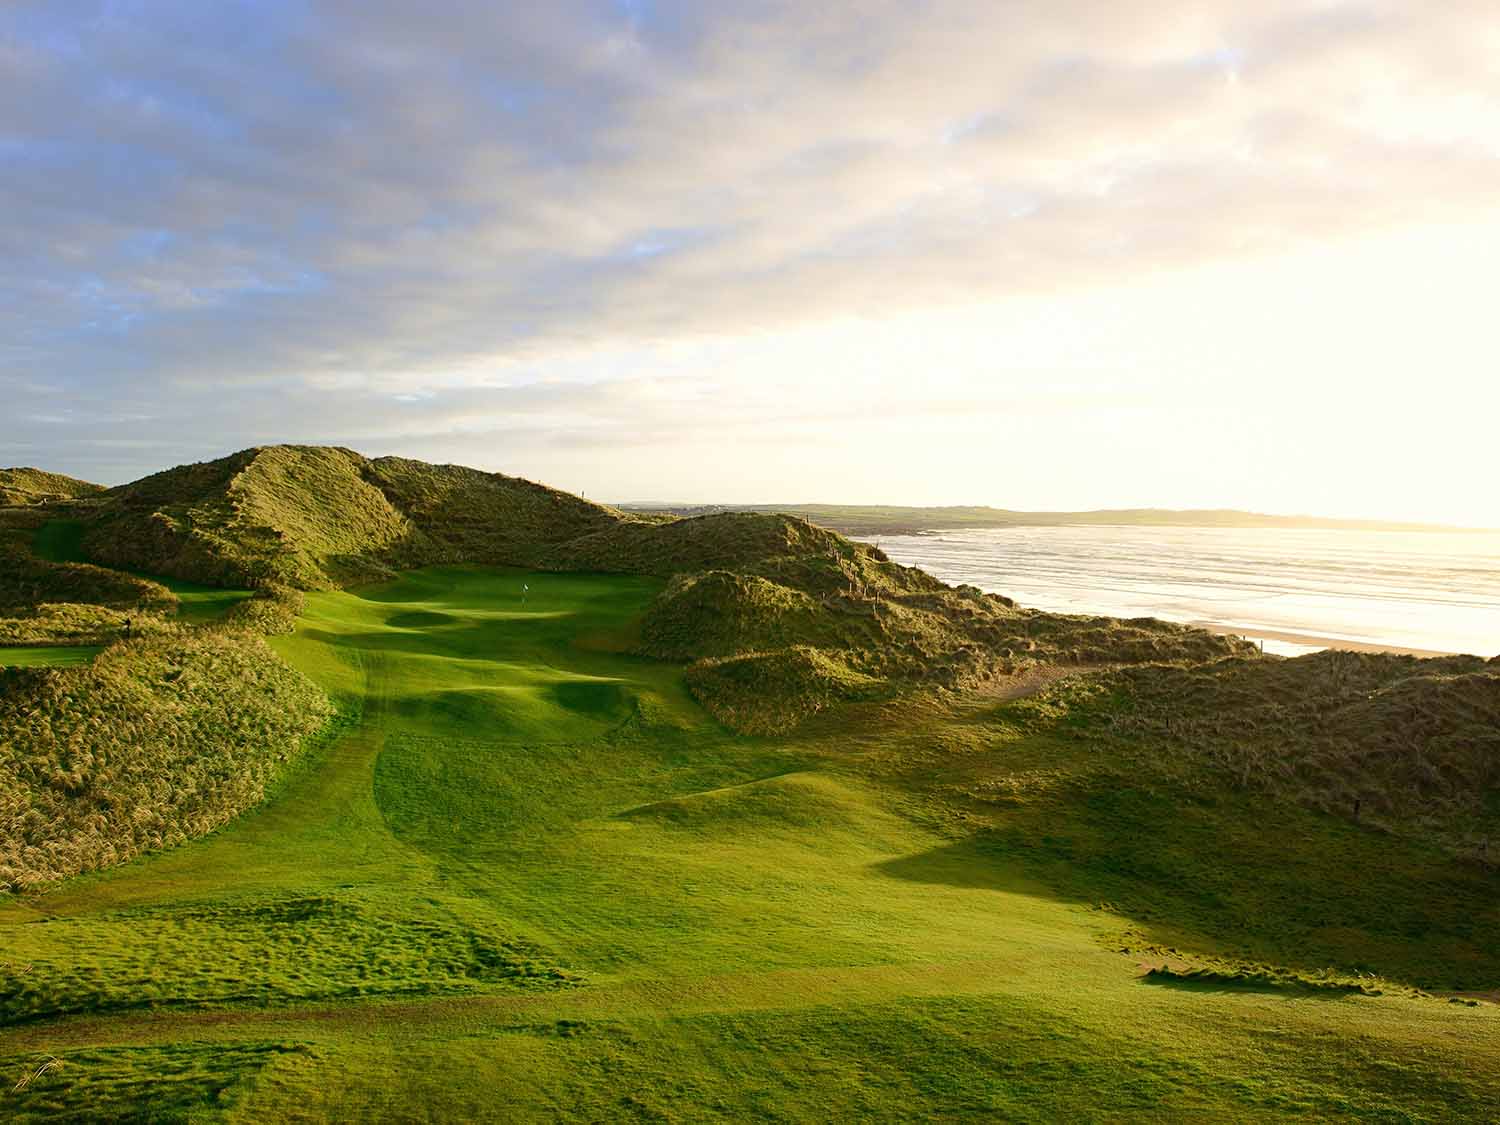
<point>584,226</point>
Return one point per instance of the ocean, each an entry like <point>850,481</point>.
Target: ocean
<point>1296,589</point>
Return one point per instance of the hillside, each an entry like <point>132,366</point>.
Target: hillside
<point>767,654</point>
<point>316,517</point>
<point>755,604</point>
<point>872,520</point>
<point>36,486</point>
<point>1408,744</point>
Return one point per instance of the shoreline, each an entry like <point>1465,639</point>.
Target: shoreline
<point>1312,640</point>
<point>1073,576</point>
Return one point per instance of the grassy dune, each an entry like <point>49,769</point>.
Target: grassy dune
<point>531,878</point>
<point>315,517</point>
<point>159,739</point>
<point>36,486</point>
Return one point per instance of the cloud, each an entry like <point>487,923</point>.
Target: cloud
<point>251,204</point>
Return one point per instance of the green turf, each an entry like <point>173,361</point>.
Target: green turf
<point>60,541</point>
<point>198,604</point>
<point>55,656</point>
<point>532,880</point>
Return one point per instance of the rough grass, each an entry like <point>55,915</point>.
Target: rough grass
<point>720,613</point>
<point>890,628</point>
<point>60,541</point>
<point>1407,745</point>
<point>768,693</point>
<point>71,624</point>
<point>48,656</point>
<point>468,516</point>
<point>49,597</point>
<point>160,739</point>
<point>314,517</point>
<point>271,611</point>
<point>1256,980</point>
<point>777,547</point>
<point>291,515</point>
<point>36,486</point>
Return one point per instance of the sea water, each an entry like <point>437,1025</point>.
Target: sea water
<point>1300,589</point>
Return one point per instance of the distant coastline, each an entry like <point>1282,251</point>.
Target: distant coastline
<point>875,519</point>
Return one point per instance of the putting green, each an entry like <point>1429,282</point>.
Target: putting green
<point>530,878</point>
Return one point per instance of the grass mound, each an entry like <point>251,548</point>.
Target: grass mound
<point>159,740</point>
<point>23,486</point>
<point>271,611</point>
<point>895,628</point>
<point>1412,745</point>
<point>786,550</point>
<point>786,804</point>
<point>314,517</point>
<point>465,515</point>
<point>720,613</point>
<point>770,692</point>
<point>294,515</point>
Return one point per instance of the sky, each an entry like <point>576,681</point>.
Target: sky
<point>1048,254</point>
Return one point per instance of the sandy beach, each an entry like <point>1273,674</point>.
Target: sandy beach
<point>1312,642</point>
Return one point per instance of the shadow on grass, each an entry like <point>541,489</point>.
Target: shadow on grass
<point>1238,877</point>
<point>1211,982</point>
<point>964,865</point>
<point>470,642</point>
<point>60,541</point>
<point>421,619</point>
